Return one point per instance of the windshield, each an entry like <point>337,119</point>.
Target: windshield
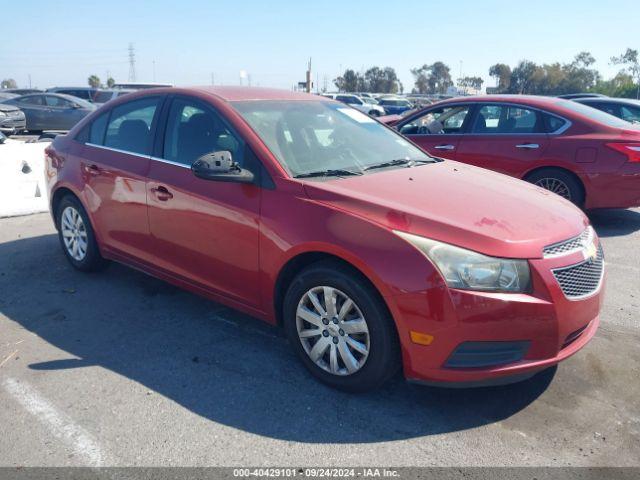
<point>309,136</point>
<point>594,114</point>
<point>102,97</point>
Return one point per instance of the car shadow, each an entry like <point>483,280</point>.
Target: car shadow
<point>220,364</point>
<point>615,223</point>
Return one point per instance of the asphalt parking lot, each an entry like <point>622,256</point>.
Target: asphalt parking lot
<point>118,368</point>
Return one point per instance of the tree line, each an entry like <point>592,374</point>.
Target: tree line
<point>526,77</point>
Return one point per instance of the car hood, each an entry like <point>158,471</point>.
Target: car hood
<point>5,107</point>
<point>458,204</point>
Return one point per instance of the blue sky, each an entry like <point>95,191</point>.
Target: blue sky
<point>63,42</point>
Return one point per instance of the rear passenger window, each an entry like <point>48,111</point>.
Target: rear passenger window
<point>503,119</point>
<point>129,127</point>
<point>98,128</point>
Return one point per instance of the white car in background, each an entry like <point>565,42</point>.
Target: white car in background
<point>364,104</point>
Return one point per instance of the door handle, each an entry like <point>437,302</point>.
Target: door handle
<point>92,169</point>
<point>528,146</point>
<point>162,193</point>
<point>445,147</point>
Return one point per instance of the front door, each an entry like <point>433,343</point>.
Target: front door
<point>203,231</point>
<point>439,130</point>
<point>506,138</point>
<point>62,114</point>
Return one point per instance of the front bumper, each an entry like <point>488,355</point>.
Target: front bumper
<point>545,324</point>
<point>10,124</point>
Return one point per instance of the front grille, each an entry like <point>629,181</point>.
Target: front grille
<point>582,279</point>
<point>569,246</point>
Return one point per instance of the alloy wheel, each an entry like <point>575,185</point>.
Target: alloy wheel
<point>332,330</point>
<point>556,186</point>
<point>74,233</point>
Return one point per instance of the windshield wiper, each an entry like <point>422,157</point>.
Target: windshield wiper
<point>338,172</point>
<point>397,162</point>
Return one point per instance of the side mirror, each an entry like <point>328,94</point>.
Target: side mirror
<point>219,166</point>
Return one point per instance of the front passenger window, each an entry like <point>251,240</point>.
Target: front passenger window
<point>129,127</point>
<point>446,120</point>
<point>194,130</point>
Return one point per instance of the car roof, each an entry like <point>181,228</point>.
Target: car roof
<point>235,94</point>
<point>531,100</point>
<point>621,101</point>
<point>54,89</point>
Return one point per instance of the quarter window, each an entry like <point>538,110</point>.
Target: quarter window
<point>446,120</point>
<point>129,127</point>
<point>194,130</point>
<point>553,123</point>
<point>631,114</point>
<point>506,119</point>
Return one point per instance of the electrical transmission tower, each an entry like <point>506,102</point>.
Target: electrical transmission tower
<point>132,63</point>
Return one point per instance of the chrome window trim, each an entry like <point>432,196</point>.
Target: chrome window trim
<point>568,123</point>
<point>171,162</point>
<point>117,150</point>
<point>146,157</point>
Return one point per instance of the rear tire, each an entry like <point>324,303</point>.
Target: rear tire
<point>76,236</point>
<point>351,346</point>
<point>559,182</point>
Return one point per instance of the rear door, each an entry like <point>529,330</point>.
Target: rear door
<point>505,138</point>
<point>203,231</point>
<point>115,164</point>
<point>438,130</point>
<point>34,110</point>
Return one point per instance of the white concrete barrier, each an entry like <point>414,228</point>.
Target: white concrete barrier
<point>22,181</point>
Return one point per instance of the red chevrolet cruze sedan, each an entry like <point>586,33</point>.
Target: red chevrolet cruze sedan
<point>306,213</point>
<point>585,155</point>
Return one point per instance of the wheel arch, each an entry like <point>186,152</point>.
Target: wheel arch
<point>57,197</point>
<point>561,168</point>
<point>302,260</point>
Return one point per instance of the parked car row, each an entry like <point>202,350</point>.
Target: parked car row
<point>57,108</point>
<point>49,111</point>
<point>372,253</point>
<point>582,154</point>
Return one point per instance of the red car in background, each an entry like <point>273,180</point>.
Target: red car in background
<point>307,213</point>
<point>580,153</point>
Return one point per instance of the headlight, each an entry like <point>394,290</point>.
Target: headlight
<point>468,270</point>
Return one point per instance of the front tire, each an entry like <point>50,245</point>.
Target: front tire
<point>340,328</point>
<point>76,236</point>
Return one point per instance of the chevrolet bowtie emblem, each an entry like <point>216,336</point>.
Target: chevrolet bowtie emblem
<point>590,252</point>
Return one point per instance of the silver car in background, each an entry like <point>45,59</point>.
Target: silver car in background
<point>365,105</point>
<point>12,119</point>
<point>51,111</point>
